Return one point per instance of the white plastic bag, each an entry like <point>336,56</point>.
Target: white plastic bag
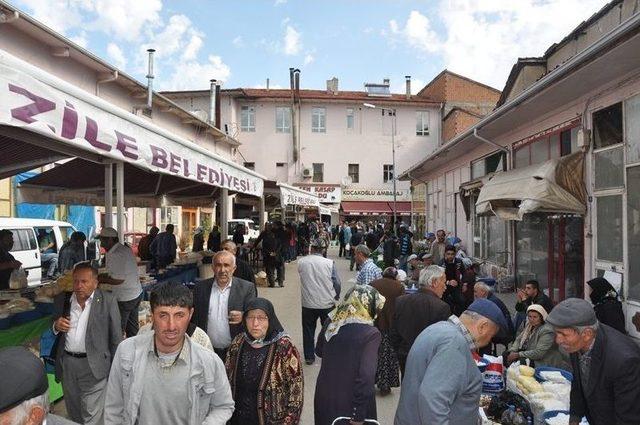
<point>347,247</point>
<point>18,279</point>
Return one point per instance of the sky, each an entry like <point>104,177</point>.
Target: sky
<point>244,42</point>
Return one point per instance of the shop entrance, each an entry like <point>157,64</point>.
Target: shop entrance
<point>550,249</point>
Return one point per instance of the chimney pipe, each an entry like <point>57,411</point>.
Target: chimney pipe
<point>267,84</point>
<point>386,81</point>
<point>217,106</point>
<point>150,79</point>
<point>408,83</point>
<point>212,102</point>
<point>296,74</point>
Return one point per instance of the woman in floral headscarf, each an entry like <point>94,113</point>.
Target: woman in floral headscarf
<point>348,345</point>
<point>264,370</point>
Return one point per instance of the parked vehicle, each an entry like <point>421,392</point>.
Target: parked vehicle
<point>35,241</point>
<point>251,231</point>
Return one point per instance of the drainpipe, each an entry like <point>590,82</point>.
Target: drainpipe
<point>111,78</point>
<point>150,79</point>
<point>212,102</point>
<point>294,139</point>
<point>494,144</point>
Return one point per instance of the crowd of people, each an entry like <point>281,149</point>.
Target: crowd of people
<point>218,354</point>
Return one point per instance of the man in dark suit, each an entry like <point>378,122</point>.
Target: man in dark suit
<point>220,302</point>
<point>605,362</point>
<point>414,312</point>
<point>243,268</point>
<point>88,325</point>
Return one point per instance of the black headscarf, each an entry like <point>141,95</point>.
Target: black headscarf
<point>275,330</point>
<point>601,290</point>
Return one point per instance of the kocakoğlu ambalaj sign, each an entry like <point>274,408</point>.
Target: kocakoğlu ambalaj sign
<point>357,194</point>
<point>28,103</point>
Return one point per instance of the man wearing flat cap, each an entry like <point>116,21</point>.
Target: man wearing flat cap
<point>24,399</point>
<point>606,366</point>
<point>442,383</point>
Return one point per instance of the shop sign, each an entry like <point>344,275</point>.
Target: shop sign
<point>382,194</point>
<point>290,195</point>
<point>326,194</point>
<point>63,112</point>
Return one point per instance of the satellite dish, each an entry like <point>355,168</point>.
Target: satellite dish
<point>346,181</point>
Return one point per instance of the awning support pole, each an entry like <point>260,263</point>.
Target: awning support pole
<point>261,211</point>
<point>108,195</point>
<point>120,199</point>
<point>224,213</point>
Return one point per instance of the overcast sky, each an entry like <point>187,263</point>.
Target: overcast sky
<point>244,42</point>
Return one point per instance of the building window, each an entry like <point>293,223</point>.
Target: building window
<point>319,120</point>
<point>283,119</point>
<point>354,172</point>
<point>350,118</point>
<point>387,173</point>
<point>250,165</point>
<point>489,164</point>
<point>422,123</point>
<point>279,164</point>
<point>318,172</point>
<point>547,147</point>
<point>248,118</point>
<point>607,126</point>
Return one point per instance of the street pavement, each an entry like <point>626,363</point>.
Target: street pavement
<point>289,310</point>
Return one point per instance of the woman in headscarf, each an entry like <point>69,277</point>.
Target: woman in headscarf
<point>348,344</point>
<point>390,287</point>
<point>606,304</point>
<point>536,341</point>
<point>264,370</point>
<point>198,240</point>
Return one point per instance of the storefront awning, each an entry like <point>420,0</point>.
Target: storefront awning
<point>82,182</point>
<point>554,186</point>
<point>375,208</point>
<point>328,209</point>
<point>469,191</point>
<point>290,195</point>
<point>76,123</point>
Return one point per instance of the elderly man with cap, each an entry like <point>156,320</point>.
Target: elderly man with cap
<point>442,384</point>
<point>368,270</point>
<point>88,325</point>
<point>122,273</point>
<point>606,366</point>
<point>413,270</point>
<point>24,399</point>
<point>320,289</point>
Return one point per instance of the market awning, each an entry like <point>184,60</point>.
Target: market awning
<point>470,191</point>
<point>554,186</point>
<point>76,123</point>
<point>375,207</point>
<point>82,182</point>
<point>328,209</point>
<point>290,195</point>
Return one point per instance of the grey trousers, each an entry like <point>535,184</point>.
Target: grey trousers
<point>83,393</point>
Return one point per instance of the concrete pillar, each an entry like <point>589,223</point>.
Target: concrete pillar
<point>108,195</point>
<point>224,213</point>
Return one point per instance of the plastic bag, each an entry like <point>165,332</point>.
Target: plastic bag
<point>18,279</point>
<point>347,247</point>
<point>492,378</point>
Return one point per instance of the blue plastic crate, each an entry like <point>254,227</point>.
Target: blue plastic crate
<point>25,317</point>
<point>5,323</point>
<point>45,309</point>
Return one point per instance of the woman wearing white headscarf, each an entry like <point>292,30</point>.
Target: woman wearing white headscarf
<point>348,345</point>
<point>536,341</point>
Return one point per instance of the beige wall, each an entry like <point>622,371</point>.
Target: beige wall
<point>6,205</point>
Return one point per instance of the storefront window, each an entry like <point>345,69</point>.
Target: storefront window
<point>496,240</point>
<point>632,128</point>
<point>609,168</point>
<point>539,151</point>
<point>532,239</point>
<point>633,232</point>
<point>609,228</point>
<point>522,157</point>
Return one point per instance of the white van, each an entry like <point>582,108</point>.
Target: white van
<point>251,231</point>
<point>30,237</point>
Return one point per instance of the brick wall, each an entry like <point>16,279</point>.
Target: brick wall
<point>457,122</point>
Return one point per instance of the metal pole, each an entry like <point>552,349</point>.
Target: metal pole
<point>108,195</point>
<point>120,200</point>
<point>224,213</point>
<point>393,158</point>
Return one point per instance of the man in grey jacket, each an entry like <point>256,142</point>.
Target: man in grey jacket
<point>442,384</point>
<point>162,377</point>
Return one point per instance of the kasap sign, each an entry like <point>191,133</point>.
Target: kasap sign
<point>326,194</point>
<point>372,194</point>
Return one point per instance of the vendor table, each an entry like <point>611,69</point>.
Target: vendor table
<point>18,335</point>
<point>182,274</point>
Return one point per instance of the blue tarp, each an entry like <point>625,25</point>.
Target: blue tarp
<point>82,217</point>
<point>24,210</point>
